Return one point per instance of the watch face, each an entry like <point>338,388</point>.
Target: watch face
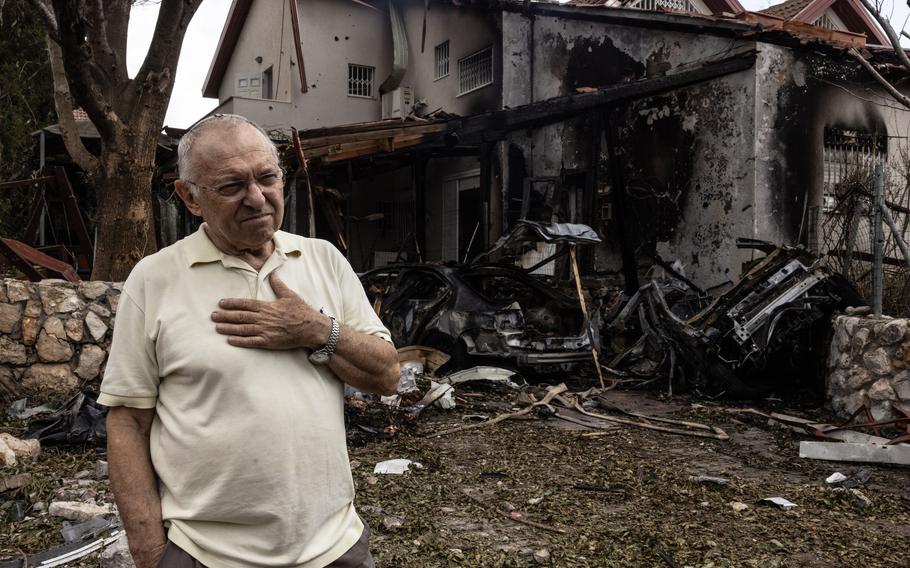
<point>319,358</point>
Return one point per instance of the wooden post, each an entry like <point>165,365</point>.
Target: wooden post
<point>584,310</point>
<point>305,172</point>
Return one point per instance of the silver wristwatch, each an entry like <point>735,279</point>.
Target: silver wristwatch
<point>322,356</point>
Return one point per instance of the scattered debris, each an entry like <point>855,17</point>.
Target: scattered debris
<point>481,312</point>
<point>835,478</point>
<point>896,454</point>
<point>780,502</point>
<point>14,482</point>
<point>479,374</point>
<point>395,467</point>
<point>392,522</point>
<point>12,449</point>
<point>19,409</point>
<point>708,479</point>
<point>738,507</point>
<point>770,320</point>
<point>512,515</point>
<point>77,511</point>
<point>64,554</point>
<point>91,528</point>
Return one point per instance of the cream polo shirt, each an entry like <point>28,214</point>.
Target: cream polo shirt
<point>248,444</point>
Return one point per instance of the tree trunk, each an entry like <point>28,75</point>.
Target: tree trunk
<point>126,223</point>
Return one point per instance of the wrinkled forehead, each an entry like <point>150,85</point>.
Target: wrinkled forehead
<point>222,142</point>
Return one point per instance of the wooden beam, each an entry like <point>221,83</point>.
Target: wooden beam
<point>295,27</point>
<point>25,182</point>
<point>493,125</point>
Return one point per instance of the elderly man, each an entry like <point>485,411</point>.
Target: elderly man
<point>226,376</point>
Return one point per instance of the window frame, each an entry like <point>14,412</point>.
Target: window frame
<point>437,61</point>
<point>492,81</point>
<point>372,80</point>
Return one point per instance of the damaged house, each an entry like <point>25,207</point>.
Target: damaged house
<point>672,130</point>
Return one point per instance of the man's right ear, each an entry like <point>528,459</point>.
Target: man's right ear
<point>189,199</point>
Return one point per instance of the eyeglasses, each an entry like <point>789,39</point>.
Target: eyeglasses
<point>268,181</point>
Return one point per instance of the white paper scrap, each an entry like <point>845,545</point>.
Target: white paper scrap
<point>395,467</point>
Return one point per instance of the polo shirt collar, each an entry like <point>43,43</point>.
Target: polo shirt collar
<point>200,249</point>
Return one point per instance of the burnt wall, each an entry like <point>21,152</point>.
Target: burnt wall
<point>687,158</point>
<point>806,93</point>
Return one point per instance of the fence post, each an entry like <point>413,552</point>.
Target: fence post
<point>878,241</point>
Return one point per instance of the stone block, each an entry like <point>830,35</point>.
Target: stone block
<point>860,341</point>
<point>59,297</point>
<point>902,391</point>
<point>30,327</point>
<point>90,360</point>
<point>892,332</point>
<point>96,328</point>
<point>79,511</point>
<point>53,345</point>
<point>845,361</point>
<point>74,328</point>
<point>94,289</point>
<point>850,323</point>
<point>878,361</point>
<point>3,297</point>
<point>17,291</point>
<point>10,315</point>
<point>881,390</point>
<point>43,380</point>
<point>12,352</point>
<point>857,378</point>
<point>114,300</point>
<point>100,310</point>
<point>33,309</point>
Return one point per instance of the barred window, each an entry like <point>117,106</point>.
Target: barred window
<point>665,6</point>
<point>360,80</point>
<point>475,71</point>
<point>442,60</point>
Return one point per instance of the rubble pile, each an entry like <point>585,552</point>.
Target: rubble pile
<point>869,364</point>
<point>53,335</point>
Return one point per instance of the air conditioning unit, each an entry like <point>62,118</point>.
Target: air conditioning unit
<point>398,103</point>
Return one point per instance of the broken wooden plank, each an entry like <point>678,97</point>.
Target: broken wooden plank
<point>298,47</point>
<point>894,454</point>
<point>25,258</point>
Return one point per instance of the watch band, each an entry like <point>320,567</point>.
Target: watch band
<point>322,356</point>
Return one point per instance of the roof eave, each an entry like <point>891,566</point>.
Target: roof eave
<point>226,44</point>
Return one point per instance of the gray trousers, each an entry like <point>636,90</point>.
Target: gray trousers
<point>358,556</point>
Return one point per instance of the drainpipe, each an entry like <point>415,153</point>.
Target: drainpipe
<point>399,52</point>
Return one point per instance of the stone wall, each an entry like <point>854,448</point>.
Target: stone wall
<point>54,335</point>
<point>869,363</point>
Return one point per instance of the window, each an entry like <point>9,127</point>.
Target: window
<point>442,60</point>
<point>667,6</point>
<point>249,86</point>
<point>360,80</point>
<point>267,84</point>
<point>475,71</point>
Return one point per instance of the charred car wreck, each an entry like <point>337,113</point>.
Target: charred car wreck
<point>493,312</point>
<point>769,331</point>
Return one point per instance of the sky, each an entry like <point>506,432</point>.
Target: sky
<point>187,104</point>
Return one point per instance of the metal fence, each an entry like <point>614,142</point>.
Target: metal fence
<point>842,229</point>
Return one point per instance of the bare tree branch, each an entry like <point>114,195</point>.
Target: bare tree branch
<point>892,90</point>
<point>50,20</point>
<point>62,102</point>
<point>893,37</point>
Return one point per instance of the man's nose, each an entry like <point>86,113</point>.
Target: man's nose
<point>254,196</point>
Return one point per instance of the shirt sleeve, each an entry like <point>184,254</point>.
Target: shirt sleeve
<point>357,313</point>
<point>131,376</point>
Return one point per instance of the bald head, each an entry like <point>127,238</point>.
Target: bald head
<point>214,126</point>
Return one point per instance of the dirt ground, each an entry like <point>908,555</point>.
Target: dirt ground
<point>600,498</point>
